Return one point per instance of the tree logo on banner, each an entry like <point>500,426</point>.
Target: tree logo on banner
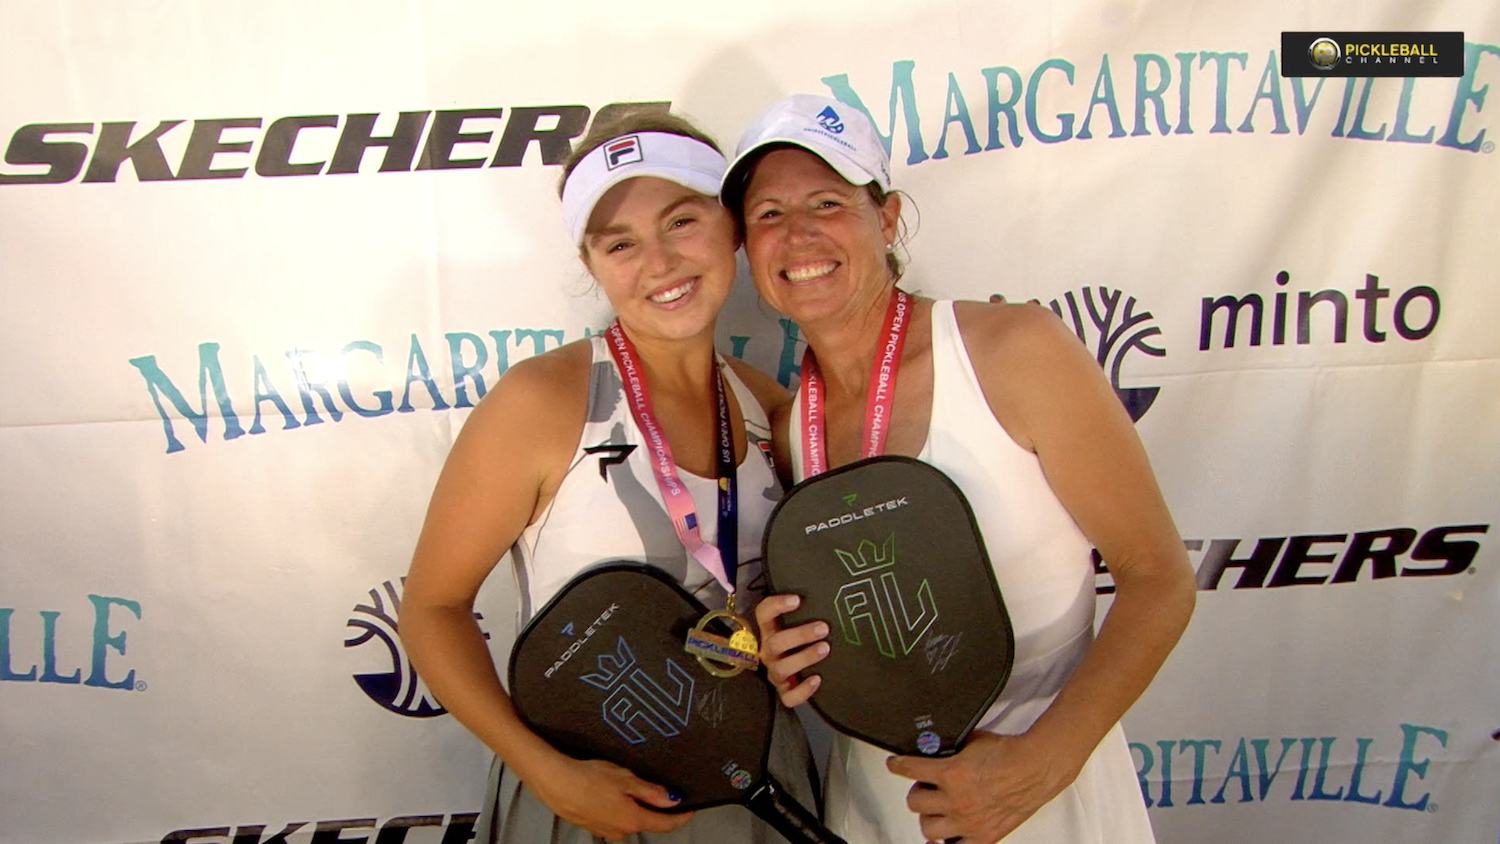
<point>398,689</point>
<point>1109,323</point>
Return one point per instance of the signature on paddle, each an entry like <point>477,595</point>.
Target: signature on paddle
<point>941,648</point>
<point>711,706</point>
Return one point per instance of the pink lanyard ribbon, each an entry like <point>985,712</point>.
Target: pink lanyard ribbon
<point>720,562</point>
<point>878,400</point>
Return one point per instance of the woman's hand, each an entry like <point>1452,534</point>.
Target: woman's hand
<point>606,799</point>
<point>984,791</point>
<point>785,652</point>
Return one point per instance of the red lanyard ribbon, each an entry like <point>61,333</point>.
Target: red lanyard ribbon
<point>721,562</point>
<point>878,400</point>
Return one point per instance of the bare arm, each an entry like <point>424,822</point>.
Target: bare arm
<point>1049,394</point>
<point>504,467</point>
<point>1066,412</point>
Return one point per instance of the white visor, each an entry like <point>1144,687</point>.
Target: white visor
<point>676,158</point>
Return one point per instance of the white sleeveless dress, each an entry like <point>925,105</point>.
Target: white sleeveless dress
<point>610,509</point>
<point>1044,566</point>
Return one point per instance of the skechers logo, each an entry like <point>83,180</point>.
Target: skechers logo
<point>302,145</point>
<point>1326,559</point>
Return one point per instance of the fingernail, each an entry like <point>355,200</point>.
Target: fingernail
<point>674,796</point>
<point>823,648</point>
<point>821,629</point>
<point>815,681</point>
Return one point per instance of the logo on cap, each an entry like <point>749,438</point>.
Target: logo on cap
<point>622,151</point>
<point>829,119</point>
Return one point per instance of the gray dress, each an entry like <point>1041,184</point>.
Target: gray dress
<point>512,814</point>
<point>617,513</point>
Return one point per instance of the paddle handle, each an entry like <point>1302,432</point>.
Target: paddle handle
<point>772,803</point>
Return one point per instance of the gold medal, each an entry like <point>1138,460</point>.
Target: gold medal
<point>721,656</point>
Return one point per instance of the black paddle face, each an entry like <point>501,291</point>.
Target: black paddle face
<point>886,552</point>
<point>600,674</point>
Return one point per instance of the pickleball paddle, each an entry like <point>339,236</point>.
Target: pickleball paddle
<point>600,673</point>
<point>887,552</point>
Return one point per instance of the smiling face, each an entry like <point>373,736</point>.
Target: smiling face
<point>663,254</point>
<point>816,244</point>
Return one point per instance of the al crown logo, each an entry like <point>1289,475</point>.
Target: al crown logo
<point>398,688</point>
<point>829,119</point>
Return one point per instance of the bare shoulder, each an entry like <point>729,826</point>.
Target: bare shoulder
<point>550,389</point>
<point>505,464</point>
<point>773,397</point>
<point>1019,336</point>
<point>1031,367</point>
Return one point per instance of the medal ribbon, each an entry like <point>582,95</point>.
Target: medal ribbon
<point>878,399</point>
<point>722,561</point>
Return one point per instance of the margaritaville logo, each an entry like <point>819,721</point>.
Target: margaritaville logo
<point>1137,93</point>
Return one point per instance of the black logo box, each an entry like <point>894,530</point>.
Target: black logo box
<point>1441,54</point>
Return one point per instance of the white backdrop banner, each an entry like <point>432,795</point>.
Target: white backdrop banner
<point>257,260</point>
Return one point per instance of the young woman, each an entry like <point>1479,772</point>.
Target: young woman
<point>1010,405</point>
<point>526,475</point>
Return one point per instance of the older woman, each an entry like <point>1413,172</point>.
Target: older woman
<point>551,467</point>
<point>1010,405</point>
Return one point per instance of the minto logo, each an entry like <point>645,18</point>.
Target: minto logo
<point>1108,322</point>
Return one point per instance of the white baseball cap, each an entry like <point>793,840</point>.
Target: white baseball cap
<point>676,158</point>
<point>840,134</point>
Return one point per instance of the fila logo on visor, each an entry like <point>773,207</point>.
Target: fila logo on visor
<point>623,151</point>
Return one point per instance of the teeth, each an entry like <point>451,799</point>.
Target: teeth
<point>808,273</point>
<point>672,294</point>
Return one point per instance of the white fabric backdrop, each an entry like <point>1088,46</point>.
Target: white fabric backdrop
<point>180,599</point>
